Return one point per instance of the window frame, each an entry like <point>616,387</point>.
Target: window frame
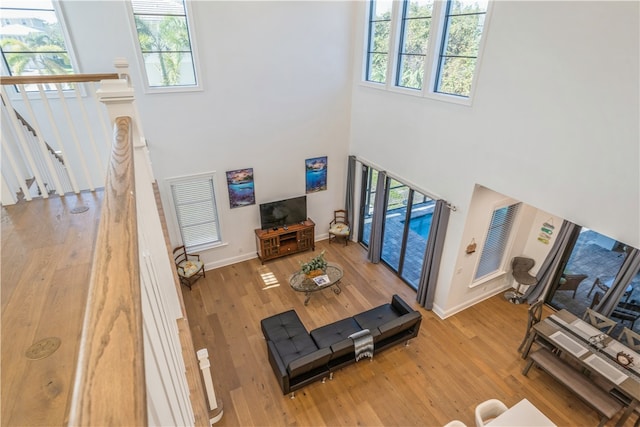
<point>14,93</point>
<point>148,89</point>
<point>502,267</point>
<point>432,55</point>
<point>175,217</point>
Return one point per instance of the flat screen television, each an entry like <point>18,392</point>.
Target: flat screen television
<point>283,212</point>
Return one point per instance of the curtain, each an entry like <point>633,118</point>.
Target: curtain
<point>433,255</point>
<point>551,264</point>
<point>375,239</point>
<point>627,272</point>
<point>350,192</point>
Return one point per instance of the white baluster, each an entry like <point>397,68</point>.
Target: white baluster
<point>68,173</point>
<point>203,357</point>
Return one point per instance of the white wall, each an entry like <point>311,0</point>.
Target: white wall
<point>554,124</point>
<point>277,79</point>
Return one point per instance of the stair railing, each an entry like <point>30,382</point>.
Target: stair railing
<point>51,138</point>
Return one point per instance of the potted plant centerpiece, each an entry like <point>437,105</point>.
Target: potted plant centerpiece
<point>315,266</point>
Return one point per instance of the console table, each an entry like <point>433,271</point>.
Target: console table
<point>301,283</point>
<point>283,241</point>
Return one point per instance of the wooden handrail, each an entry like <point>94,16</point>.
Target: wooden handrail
<point>58,78</point>
<point>109,387</point>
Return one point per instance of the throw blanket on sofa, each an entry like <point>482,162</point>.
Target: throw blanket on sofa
<point>363,344</point>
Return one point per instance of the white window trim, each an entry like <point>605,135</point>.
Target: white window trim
<point>58,9</point>
<point>172,218</point>
<point>431,58</point>
<point>198,87</point>
<point>502,269</point>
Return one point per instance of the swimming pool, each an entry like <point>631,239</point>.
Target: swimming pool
<point>421,224</point>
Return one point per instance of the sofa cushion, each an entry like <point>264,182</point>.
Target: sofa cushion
<point>289,336</point>
<point>332,333</point>
<point>309,362</point>
<point>402,323</point>
<point>372,319</point>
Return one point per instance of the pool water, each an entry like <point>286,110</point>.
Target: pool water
<point>421,225</point>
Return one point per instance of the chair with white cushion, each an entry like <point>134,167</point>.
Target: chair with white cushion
<point>339,226</point>
<point>455,423</point>
<point>189,266</point>
<point>488,410</point>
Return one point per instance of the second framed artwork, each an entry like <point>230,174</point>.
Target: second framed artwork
<point>241,188</point>
<point>316,174</point>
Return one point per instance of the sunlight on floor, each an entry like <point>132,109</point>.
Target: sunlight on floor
<point>269,279</point>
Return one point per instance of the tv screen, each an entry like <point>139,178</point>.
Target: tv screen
<point>283,212</point>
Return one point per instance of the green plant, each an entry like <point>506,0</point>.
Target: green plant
<point>316,263</point>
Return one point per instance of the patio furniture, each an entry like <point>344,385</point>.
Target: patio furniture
<point>570,282</point>
<point>520,267</point>
<point>606,284</point>
<point>627,311</point>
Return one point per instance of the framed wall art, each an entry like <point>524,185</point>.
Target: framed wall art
<point>316,174</point>
<point>241,188</point>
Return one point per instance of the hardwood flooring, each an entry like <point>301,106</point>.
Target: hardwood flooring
<point>451,366</point>
<point>442,375</point>
<point>46,263</point>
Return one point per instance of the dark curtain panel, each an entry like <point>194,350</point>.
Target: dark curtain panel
<point>375,239</point>
<point>350,193</point>
<point>627,272</point>
<point>433,255</point>
<point>551,264</point>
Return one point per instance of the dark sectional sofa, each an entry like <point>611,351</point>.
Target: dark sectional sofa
<point>299,357</point>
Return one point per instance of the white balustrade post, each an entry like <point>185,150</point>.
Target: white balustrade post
<point>214,405</point>
<point>119,98</point>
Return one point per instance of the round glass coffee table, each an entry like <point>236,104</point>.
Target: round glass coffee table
<point>301,283</point>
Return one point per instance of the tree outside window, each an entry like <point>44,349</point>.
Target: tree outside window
<point>165,44</point>
<point>32,40</point>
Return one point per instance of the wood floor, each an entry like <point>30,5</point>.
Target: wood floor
<point>451,366</point>
<point>46,264</point>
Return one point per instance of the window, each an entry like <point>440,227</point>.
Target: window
<point>194,201</point>
<point>165,42</point>
<point>32,39</point>
<point>434,45</point>
<point>378,46</point>
<point>495,245</point>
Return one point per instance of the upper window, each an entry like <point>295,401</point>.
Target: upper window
<point>495,245</point>
<point>32,39</point>
<point>430,47</point>
<point>165,43</point>
<point>194,200</point>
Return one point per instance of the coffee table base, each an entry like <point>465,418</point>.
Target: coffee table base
<point>336,290</point>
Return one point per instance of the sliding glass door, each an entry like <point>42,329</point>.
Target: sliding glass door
<point>406,225</point>
<point>590,266</point>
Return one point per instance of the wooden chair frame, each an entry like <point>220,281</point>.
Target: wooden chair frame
<point>180,255</point>
<point>599,320</point>
<point>340,216</point>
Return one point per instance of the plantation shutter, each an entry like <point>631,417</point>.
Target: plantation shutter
<point>495,245</point>
<point>196,211</point>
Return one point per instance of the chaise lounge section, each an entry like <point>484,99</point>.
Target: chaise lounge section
<point>298,357</point>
